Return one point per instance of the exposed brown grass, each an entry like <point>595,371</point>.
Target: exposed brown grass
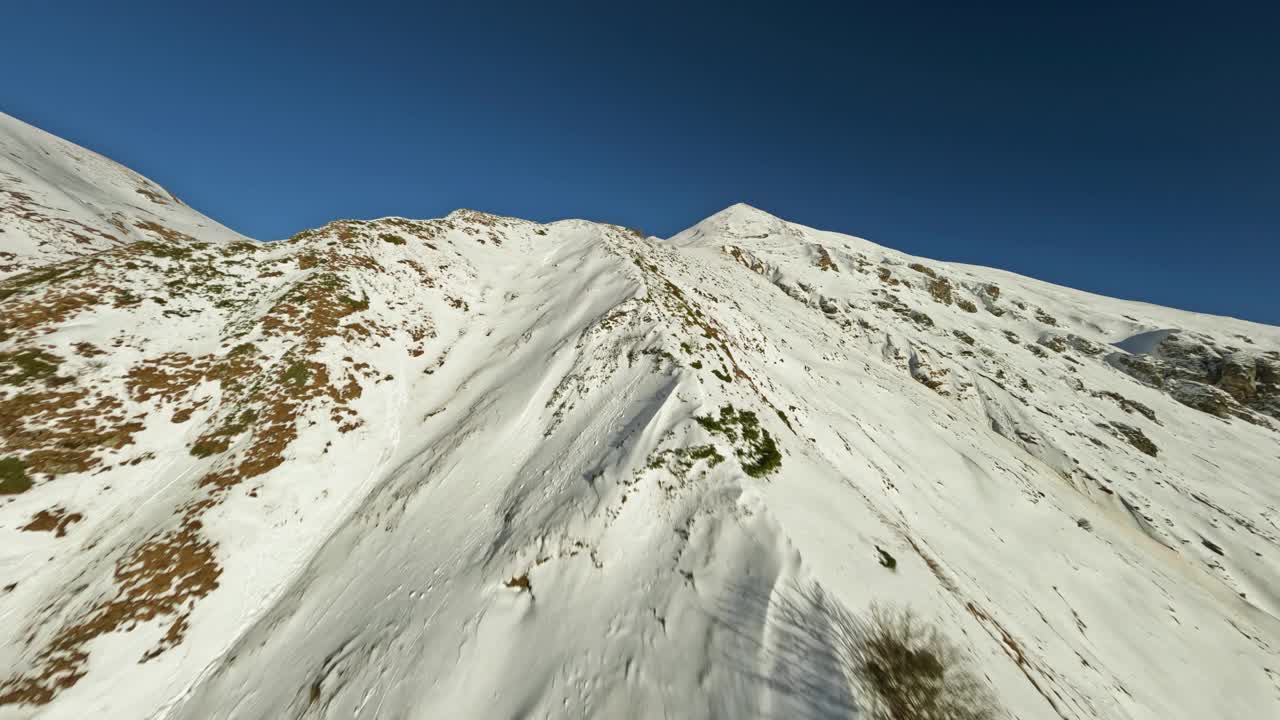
<point>55,520</point>
<point>159,577</point>
<point>50,427</point>
<point>152,195</point>
<point>62,431</point>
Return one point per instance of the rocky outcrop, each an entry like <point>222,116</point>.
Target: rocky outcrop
<point>1134,436</point>
<point>1220,381</point>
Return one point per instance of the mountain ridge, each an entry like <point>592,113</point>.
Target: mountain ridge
<point>479,465</point>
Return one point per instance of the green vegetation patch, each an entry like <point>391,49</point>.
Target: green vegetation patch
<point>391,238</point>
<point>680,463</point>
<point>24,281</point>
<point>21,367</point>
<point>296,374</point>
<point>205,448</point>
<point>355,304</point>
<point>239,248</point>
<point>906,669</point>
<point>13,476</point>
<point>681,460</point>
<point>165,250</point>
<point>126,299</point>
<point>658,354</point>
<point>752,444</point>
<point>219,440</point>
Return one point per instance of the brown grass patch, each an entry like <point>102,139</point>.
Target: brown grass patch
<point>62,427</point>
<point>63,431</point>
<point>55,520</point>
<point>162,576</point>
<point>152,195</point>
<point>162,232</point>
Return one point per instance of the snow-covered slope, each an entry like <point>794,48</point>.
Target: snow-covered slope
<point>484,467</point>
<point>60,201</point>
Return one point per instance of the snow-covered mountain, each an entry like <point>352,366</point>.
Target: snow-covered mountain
<point>59,201</point>
<point>483,467</point>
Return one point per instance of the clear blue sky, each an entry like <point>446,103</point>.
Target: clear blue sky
<point>1128,149</point>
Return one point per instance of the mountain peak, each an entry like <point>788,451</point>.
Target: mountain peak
<point>478,466</point>
<point>742,209</point>
<point>738,221</point>
<point>741,214</point>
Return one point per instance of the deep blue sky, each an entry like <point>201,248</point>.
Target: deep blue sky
<point>1132,150</point>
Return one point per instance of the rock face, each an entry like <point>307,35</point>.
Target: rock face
<point>476,466</point>
<point>1221,380</point>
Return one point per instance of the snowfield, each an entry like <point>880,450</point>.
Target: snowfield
<point>483,467</point>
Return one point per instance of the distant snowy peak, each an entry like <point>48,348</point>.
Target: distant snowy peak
<point>59,201</point>
<point>739,221</point>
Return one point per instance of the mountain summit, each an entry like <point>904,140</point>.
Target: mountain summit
<point>484,467</point>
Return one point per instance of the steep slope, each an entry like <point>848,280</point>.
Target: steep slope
<point>60,201</point>
<point>483,467</point>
